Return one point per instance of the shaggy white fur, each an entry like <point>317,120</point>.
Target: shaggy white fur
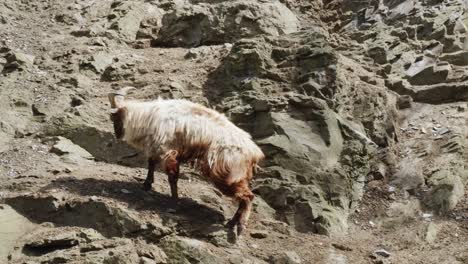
<point>205,135</point>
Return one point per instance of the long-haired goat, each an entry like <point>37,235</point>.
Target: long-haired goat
<point>177,131</point>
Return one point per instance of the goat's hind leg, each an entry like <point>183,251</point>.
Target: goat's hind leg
<point>150,177</point>
<point>172,166</point>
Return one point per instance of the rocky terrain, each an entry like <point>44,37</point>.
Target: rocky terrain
<point>360,107</point>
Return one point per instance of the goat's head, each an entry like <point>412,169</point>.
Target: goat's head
<point>118,110</point>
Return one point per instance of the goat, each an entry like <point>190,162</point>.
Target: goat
<point>175,131</point>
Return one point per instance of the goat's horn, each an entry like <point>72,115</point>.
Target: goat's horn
<point>117,98</point>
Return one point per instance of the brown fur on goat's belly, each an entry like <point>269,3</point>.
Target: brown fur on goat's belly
<point>178,131</point>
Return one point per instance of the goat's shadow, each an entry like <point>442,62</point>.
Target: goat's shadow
<point>185,214</point>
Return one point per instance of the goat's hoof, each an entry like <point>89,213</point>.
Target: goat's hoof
<point>231,223</point>
<point>240,229</point>
<point>147,186</point>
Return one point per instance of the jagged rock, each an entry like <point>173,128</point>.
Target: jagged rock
<point>452,44</point>
<point>439,93</point>
<point>18,61</point>
<point>199,24</point>
<point>188,250</point>
<point>378,53</point>
<point>129,16</point>
<point>430,75</point>
<point>99,61</point>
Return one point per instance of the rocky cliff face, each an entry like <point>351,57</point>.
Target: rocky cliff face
<point>359,106</point>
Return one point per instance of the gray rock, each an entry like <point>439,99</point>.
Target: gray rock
<point>430,75</point>
<point>100,61</point>
<point>431,233</point>
<point>441,93</point>
<point>447,190</point>
<point>287,257</point>
<point>336,258</point>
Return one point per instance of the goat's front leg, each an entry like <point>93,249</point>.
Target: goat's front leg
<point>245,196</point>
<point>172,166</point>
<point>150,177</point>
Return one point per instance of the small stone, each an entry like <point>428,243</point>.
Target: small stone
<point>259,234</point>
<point>382,252</point>
<point>67,170</point>
<point>93,198</point>
<point>125,191</point>
<point>404,101</point>
<point>461,108</point>
<point>423,130</point>
<point>443,131</point>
